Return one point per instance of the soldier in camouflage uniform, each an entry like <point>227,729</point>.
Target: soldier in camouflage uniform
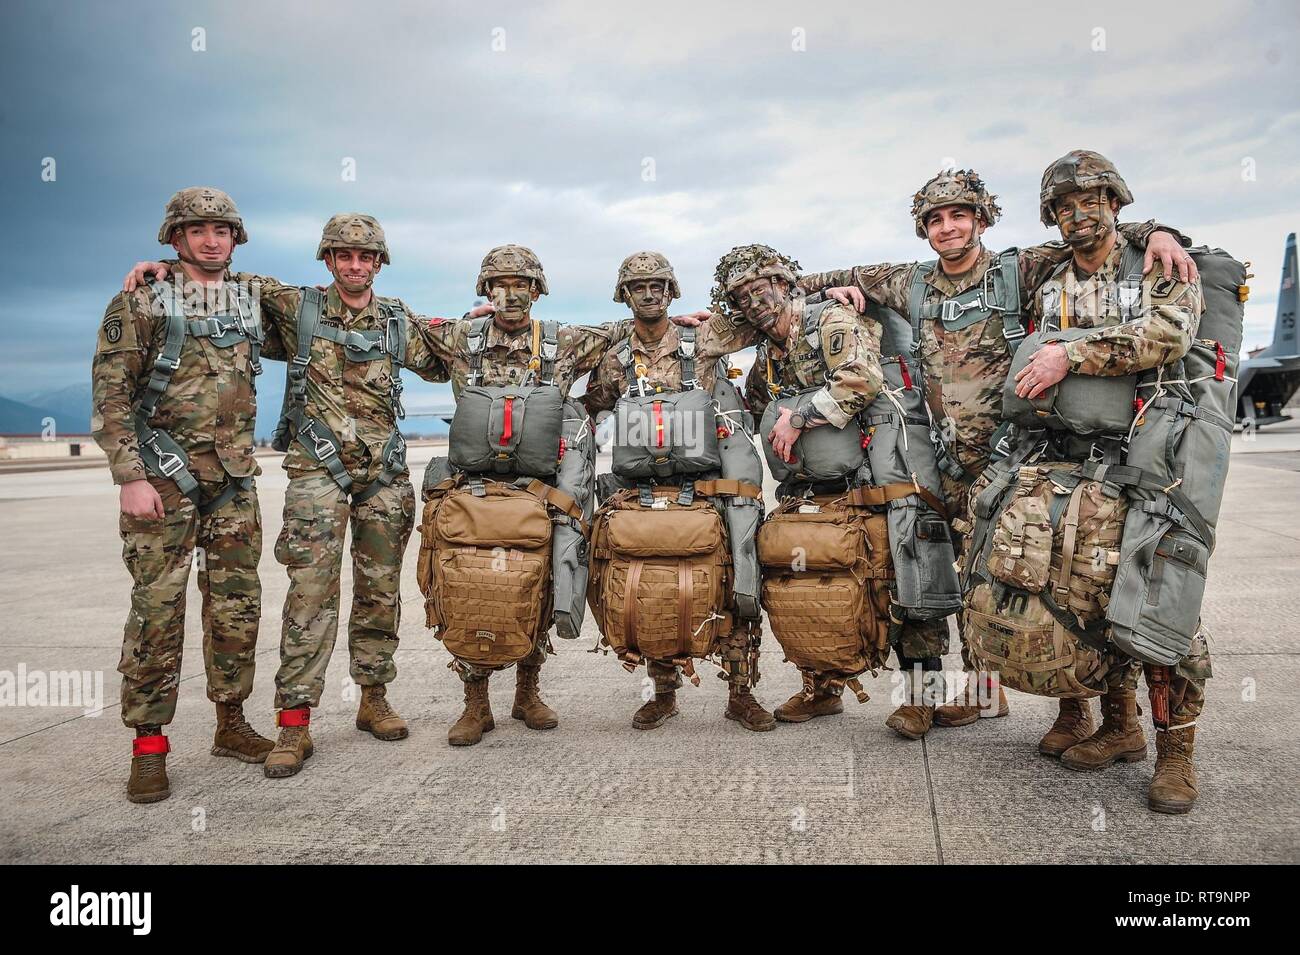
<point>353,406</point>
<point>1081,194</point>
<point>965,360</point>
<point>177,426</point>
<point>512,277</point>
<point>647,285</point>
<point>762,286</point>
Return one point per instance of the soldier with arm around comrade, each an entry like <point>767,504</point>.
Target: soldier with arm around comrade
<point>967,310</point>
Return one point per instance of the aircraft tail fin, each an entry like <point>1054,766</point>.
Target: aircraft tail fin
<point>1288,297</point>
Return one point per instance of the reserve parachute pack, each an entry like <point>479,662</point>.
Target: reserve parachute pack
<point>509,429</point>
<point>318,438</point>
<point>1089,539</point>
<point>162,455</point>
<point>673,556</point>
<point>878,544</point>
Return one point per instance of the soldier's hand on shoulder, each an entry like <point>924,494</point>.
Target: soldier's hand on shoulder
<point>849,295</point>
<point>691,319</point>
<point>140,273</point>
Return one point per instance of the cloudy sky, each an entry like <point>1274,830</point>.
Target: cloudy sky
<point>587,131</point>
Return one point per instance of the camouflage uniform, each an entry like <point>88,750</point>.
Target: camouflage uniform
<point>209,409</point>
<point>354,400</point>
<point>720,335</point>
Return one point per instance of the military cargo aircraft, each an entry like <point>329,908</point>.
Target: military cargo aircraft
<point>1269,376</point>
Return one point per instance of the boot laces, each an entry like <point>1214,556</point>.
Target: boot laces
<point>151,765</point>
<point>379,706</point>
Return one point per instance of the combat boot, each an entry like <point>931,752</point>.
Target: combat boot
<point>148,781</point>
<point>1173,788</point>
<point>376,715</point>
<point>657,711</point>
<point>965,708</point>
<point>234,737</point>
<point>477,716</point>
<point>294,746</point>
<point>1120,736</point>
<point>528,705</point>
<point>1073,724</point>
<point>747,711</point>
<point>810,703</point>
<point>911,720</point>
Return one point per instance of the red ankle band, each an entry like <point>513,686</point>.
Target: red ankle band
<point>298,716</point>
<point>150,745</point>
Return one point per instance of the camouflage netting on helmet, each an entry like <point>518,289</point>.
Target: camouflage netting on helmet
<point>745,263</point>
<point>507,261</point>
<point>1077,171</point>
<point>954,187</point>
<point>201,204</point>
<point>353,230</point>
<point>646,266</point>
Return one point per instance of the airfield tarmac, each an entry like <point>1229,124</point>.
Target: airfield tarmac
<point>699,789</point>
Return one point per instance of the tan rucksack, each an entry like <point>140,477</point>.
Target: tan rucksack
<point>1054,519</point>
<point>660,585</point>
<point>826,575</point>
<point>485,566</point>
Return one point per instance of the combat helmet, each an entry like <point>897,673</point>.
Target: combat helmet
<point>353,230</point>
<point>201,204</point>
<point>645,266</point>
<point>954,187</point>
<point>510,260</point>
<point>1076,171</point>
<point>745,263</point>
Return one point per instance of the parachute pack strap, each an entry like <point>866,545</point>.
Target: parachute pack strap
<point>546,344</point>
<point>1127,476</point>
<point>728,487</point>
<point>475,343</point>
<point>628,361</point>
<point>1003,281</point>
<point>395,330</point>
<point>1094,636</point>
<point>1131,261</point>
<point>322,446</point>
<point>169,359</point>
<point>394,458</point>
<point>686,357</point>
<point>310,305</point>
<point>881,494</point>
<point>916,301</point>
<point>164,458</point>
<point>232,487</point>
<point>251,318</point>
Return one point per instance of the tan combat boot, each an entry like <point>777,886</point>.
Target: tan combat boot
<point>234,737</point>
<point>1120,736</point>
<point>149,782</point>
<point>911,720</point>
<point>528,705</point>
<point>476,718</point>
<point>1074,724</point>
<point>1173,788</point>
<point>965,708</point>
<point>657,711</point>
<point>810,703</point>
<point>747,711</point>
<point>294,747</point>
<point>376,715</point>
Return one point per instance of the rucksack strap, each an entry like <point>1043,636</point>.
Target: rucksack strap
<point>546,348</point>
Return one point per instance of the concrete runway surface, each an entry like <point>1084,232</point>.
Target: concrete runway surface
<point>699,789</point>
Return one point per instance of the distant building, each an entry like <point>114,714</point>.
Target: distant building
<point>16,447</point>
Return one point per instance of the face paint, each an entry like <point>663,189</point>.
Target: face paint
<point>513,301</point>
<point>763,302</point>
<point>649,300</point>
<point>1085,219</point>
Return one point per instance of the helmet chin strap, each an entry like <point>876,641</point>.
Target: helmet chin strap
<point>956,255</point>
<point>351,289</point>
<point>187,256</point>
